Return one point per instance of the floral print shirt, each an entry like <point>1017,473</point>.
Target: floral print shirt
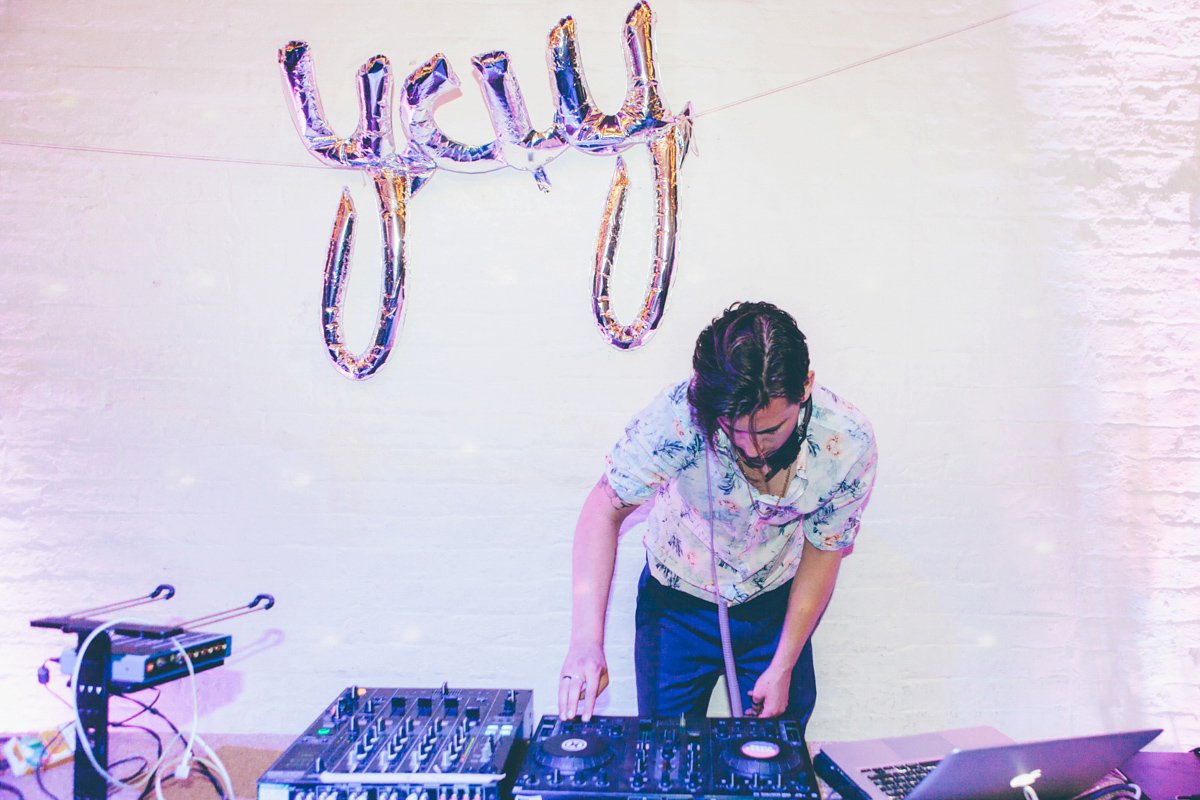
<point>663,457</point>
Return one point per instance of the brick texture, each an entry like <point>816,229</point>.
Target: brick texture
<point>991,241</point>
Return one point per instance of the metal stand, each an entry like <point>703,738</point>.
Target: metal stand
<point>91,696</point>
<point>95,684</point>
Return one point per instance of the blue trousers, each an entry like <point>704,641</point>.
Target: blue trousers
<point>677,650</point>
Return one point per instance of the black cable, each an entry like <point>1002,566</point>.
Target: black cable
<point>134,775</point>
<point>151,732</point>
<point>149,789</point>
<point>144,706</point>
<point>41,762</point>
<point>202,769</point>
<point>144,709</point>
<point>149,708</point>
<point>1128,788</point>
<point>7,787</point>
<point>152,710</point>
<point>216,783</point>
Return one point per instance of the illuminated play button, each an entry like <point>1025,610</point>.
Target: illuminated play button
<point>759,749</point>
<point>574,745</point>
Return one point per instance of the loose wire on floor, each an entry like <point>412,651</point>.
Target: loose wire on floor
<point>139,772</point>
<point>41,764</point>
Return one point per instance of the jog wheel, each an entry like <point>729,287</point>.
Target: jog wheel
<point>763,757</point>
<point>573,752</point>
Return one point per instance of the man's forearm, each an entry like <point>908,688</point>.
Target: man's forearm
<point>593,558</point>
<point>811,589</point>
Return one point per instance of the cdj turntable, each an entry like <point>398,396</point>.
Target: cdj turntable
<point>406,744</point>
<point>667,758</point>
<point>760,758</point>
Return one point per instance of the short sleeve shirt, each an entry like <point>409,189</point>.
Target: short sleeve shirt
<point>758,537</point>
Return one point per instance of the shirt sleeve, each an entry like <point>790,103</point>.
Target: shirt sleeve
<point>834,524</point>
<point>658,444</point>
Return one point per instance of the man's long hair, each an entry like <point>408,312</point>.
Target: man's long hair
<point>748,355</point>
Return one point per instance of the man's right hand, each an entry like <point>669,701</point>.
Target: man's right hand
<point>584,676</point>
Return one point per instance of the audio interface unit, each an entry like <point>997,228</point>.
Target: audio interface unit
<point>139,663</point>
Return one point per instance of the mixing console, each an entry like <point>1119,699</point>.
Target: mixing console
<point>405,744</point>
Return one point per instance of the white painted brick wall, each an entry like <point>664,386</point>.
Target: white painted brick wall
<point>1117,142</point>
<point>990,240</point>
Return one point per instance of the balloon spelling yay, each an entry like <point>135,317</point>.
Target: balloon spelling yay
<point>398,173</point>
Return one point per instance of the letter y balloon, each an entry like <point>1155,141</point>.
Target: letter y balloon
<point>399,172</point>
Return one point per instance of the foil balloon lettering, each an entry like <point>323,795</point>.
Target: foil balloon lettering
<point>400,166</point>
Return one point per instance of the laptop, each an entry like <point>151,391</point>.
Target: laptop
<point>972,764</point>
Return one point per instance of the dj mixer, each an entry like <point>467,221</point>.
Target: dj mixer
<point>406,744</point>
<point>480,744</point>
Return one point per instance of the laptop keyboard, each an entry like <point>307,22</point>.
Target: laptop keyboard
<point>896,782</point>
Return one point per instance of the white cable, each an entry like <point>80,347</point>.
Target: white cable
<point>181,771</point>
<point>215,761</point>
<point>184,766</point>
<point>81,738</point>
<point>732,688</point>
<point>1031,794</point>
<point>189,744</point>
<point>159,771</point>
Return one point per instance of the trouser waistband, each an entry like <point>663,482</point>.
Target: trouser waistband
<point>682,601</point>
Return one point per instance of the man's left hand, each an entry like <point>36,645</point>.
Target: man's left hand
<point>770,693</point>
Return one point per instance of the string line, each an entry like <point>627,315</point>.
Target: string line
<point>706,112</point>
<point>871,59</point>
<point>179,156</point>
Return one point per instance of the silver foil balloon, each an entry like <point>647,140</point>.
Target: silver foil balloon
<point>667,150</point>
<point>422,89</point>
<point>396,178</point>
<point>521,146</point>
<point>393,189</point>
<point>398,173</point>
<point>365,147</point>
<point>643,112</point>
